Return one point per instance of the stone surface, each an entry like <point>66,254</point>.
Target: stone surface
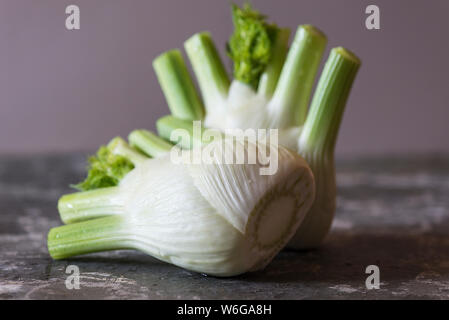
<point>392,212</point>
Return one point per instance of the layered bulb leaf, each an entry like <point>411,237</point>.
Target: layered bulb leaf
<point>217,218</point>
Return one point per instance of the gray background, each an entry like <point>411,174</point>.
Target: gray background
<point>66,90</point>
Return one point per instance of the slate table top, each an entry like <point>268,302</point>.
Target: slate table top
<point>392,212</point>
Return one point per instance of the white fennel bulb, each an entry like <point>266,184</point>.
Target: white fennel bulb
<point>219,219</point>
<point>311,133</point>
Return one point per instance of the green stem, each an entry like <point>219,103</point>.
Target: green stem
<point>186,134</point>
<point>270,77</point>
<point>149,143</point>
<point>182,133</point>
<point>317,144</point>
<point>323,121</point>
<point>119,146</point>
<point>89,236</point>
<point>295,83</point>
<point>85,205</point>
<point>177,85</point>
<point>208,68</point>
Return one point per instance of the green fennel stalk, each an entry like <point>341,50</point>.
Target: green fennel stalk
<point>149,143</point>
<point>177,85</point>
<point>294,87</point>
<point>270,76</point>
<point>209,70</point>
<point>317,143</point>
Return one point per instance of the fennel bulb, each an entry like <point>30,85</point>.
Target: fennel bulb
<point>271,89</point>
<point>314,138</point>
<point>315,141</point>
<point>219,219</point>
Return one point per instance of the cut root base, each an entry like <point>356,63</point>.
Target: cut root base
<point>278,214</point>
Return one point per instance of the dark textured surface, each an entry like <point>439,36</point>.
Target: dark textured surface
<point>393,213</point>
